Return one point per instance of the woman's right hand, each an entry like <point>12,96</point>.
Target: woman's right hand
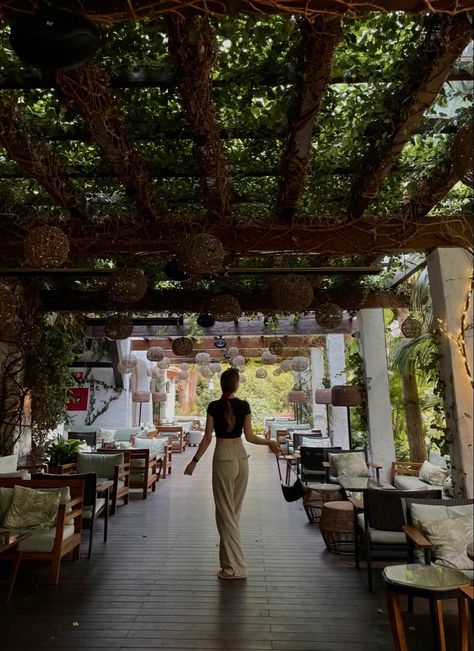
<point>274,447</point>
<point>189,468</point>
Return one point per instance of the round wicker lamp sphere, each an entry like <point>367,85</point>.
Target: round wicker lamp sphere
<point>205,321</point>
<point>202,359</point>
<point>285,366</point>
<point>155,354</point>
<point>276,347</point>
<point>201,254</point>
<point>233,352</point>
<point>215,366</point>
<point>164,363</point>
<point>140,396</point>
<point>46,246</point>
<point>118,326</point>
<point>296,396</point>
<point>182,347</point>
<point>323,396</point>
<point>268,357</point>
<point>462,154</point>
<point>239,361</point>
<point>158,396</point>
<point>261,373</point>
<point>7,305</point>
<point>184,375</point>
<point>158,372</point>
<point>225,308</point>
<point>299,364</point>
<point>348,395</point>
<point>328,315</point>
<point>129,362</point>
<point>242,378</point>
<point>127,285</point>
<point>292,293</point>
<point>411,328</point>
<point>207,372</point>
<point>277,372</point>
<point>184,366</point>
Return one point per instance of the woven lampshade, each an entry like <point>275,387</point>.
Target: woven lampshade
<point>292,293</point>
<point>164,363</point>
<point>7,305</point>
<point>261,373</point>
<point>127,285</point>
<point>155,354</point>
<point>46,246</point>
<point>200,254</point>
<point>276,347</point>
<point>158,396</point>
<point>118,326</point>
<point>129,362</point>
<point>202,359</point>
<point>207,372</point>
<point>268,357</point>
<point>276,372</point>
<point>328,315</point>
<point>233,352</point>
<point>182,347</point>
<point>140,396</point>
<point>411,328</point>
<point>205,321</point>
<point>158,372</point>
<point>285,366</point>
<point>461,154</point>
<point>323,396</point>
<point>296,396</point>
<point>239,361</point>
<point>299,364</point>
<point>184,375</point>
<point>184,366</point>
<point>215,366</point>
<point>242,378</point>
<point>348,395</point>
<point>225,308</point>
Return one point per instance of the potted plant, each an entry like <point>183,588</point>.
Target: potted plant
<point>61,453</point>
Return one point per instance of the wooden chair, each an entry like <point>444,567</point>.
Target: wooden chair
<point>145,470</point>
<point>177,435</point>
<point>312,463</point>
<point>68,513</point>
<point>408,468</point>
<point>118,471</point>
<point>282,440</point>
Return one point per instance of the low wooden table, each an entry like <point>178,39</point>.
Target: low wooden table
<point>316,497</point>
<point>8,551</point>
<point>337,526</point>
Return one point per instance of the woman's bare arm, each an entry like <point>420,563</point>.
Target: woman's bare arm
<point>258,440</point>
<point>206,441</point>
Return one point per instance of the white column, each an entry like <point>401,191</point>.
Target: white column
<point>170,405</point>
<point>450,273</point>
<point>337,375</point>
<point>374,353</point>
<point>317,376</point>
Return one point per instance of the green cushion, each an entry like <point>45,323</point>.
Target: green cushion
<point>102,464</point>
<point>6,495</point>
<point>9,463</point>
<point>156,446</point>
<point>124,433</point>
<point>348,464</point>
<point>42,540</point>
<point>379,537</point>
<point>32,509</point>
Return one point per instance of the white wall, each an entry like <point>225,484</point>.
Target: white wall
<point>118,412</point>
<point>317,376</point>
<point>337,375</point>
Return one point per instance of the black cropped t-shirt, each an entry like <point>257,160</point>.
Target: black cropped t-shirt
<point>216,409</point>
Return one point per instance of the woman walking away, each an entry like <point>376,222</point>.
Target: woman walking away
<point>227,417</point>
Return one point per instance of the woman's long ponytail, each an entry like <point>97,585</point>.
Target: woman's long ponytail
<point>229,384</point>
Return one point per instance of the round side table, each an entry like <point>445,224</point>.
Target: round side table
<point>194,437</point>
<point>434,583</point>
<point>316,497</point>
<point>337,526</point>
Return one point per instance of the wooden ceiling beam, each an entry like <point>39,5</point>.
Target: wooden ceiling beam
<point>192,44</point>
<point>89,87</point>
<point>445,39</point>
<point>182,301</point>
<point>37,160</point>
<point>319,39</point>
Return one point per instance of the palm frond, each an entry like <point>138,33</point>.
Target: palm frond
<point>413,354</point>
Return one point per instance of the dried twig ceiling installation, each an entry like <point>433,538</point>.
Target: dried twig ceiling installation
<point>318,42</point>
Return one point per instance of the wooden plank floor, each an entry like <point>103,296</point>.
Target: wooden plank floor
<point>154,584</point>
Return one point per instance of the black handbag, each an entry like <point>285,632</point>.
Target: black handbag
<point>291,493</point>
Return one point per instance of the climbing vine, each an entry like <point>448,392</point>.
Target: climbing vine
<point>95,410</point>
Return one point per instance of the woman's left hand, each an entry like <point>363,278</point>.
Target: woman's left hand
<point>189,468</point>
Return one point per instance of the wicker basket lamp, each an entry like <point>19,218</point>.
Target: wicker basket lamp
<point>261,373</point>
<point>411,328</point>
<point>201,254</point>
<point>140,396</point>
<point>182,347</point>
<point>242,379</point>
<point>462,154</point>
<point>299,364</point>
<point>346,395</point>
<point>239,361</point>
<point>129,362</point>
<point>323,396</point>
<point>158,372</point>
<point>285,366</point>
<point>184,375</point>
<point>155,354</point>
<point>46,246</point>
<point>158,396</point>
<point>207,372</point>
<point>215,366</point>
<point>296,396</point>
<point>202,359</point>
<point>292,293</point>
<point>233,352</point>
<point>127,285</point>
<point>7,305</point>
<point>276,372</point>
<point>225,308</point>
<point>164,363</point>
<point>118,326</point>
<point>268,357</point>
<point>328,315</point>
<point>276,347</point>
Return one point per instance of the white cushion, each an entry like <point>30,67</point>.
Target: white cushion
<point>437,459</point>
<point>409,482</point>
<point>379,537</point>
<point>434,475</point>
<point>42,540</point>
<point>106,435</point>
<point>9,463</point>
<point>348,464</point>
<point>315,442</point>
<point>156,446</point>
<point>435,512</point>
<point>87,510</point>
<point>449,539</point>
<point>21,474</point>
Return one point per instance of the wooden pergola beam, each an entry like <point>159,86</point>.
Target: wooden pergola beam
<point>319,40</point>
<point>38,161</point>
<point>192,44</point>
<point>446,37</point>
<point>362,237</point>
<point>182,301</point>
<point>89,87</point>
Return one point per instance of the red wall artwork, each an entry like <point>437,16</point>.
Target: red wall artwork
<point>78,399</point>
